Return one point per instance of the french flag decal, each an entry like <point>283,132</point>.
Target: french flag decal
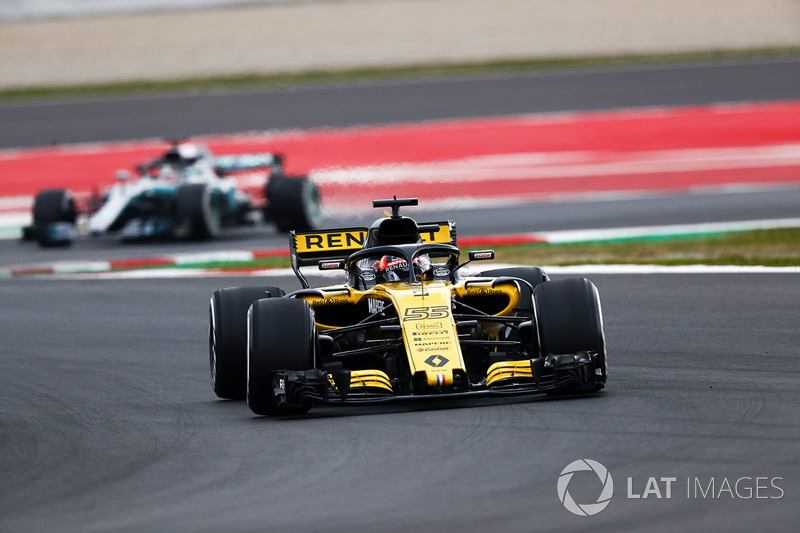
<point>440,379</point>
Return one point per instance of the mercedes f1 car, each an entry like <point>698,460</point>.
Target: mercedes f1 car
<point>185,193</point>
<point>408,323</point>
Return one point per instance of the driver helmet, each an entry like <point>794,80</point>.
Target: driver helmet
<point>393,268</point>
<point>185,154</point>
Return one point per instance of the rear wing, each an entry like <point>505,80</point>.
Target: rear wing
<point>232,163</point>
<point>311,247</point>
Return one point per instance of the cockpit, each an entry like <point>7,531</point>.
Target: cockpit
<point>409,263</point>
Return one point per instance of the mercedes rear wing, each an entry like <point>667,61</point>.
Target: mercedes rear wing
<point>311,247</point>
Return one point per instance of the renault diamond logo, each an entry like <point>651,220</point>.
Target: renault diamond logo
<point>437,361</point>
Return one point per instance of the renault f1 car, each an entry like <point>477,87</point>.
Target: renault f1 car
<point>185,193</point>
<point>407,323</point>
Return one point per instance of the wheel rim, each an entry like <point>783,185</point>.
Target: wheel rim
<point>212,214</point>
<point>311,201</point>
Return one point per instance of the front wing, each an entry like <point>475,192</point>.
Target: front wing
<point>556,373</point>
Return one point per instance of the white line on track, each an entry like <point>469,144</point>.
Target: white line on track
<point>573,236</point>
<point>546,165</point>
<point>16,203</point>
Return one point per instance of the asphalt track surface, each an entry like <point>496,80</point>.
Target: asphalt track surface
<point>108,421</point>
<point>44,123</point>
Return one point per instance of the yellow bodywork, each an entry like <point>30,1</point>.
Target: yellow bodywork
<point>429,332</point>
<point>509,369</point>
<point>367,379</point>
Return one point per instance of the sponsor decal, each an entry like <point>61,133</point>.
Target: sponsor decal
<point>375,306</point>
<point>484,291</point>
<point>368,276</point>
<point>435,325</point>
<point>330,265</point>
<point>386,265</point>
<point>437,361</point>
<point>329,301</point>
<point>441,272</point>
<point>426,313</point>
<point>483,255</point>
<point>334,240</point>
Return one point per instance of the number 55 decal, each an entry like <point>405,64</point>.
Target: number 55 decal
<point>426,313</point>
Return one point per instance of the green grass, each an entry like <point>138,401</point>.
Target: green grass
<point>779,247</point>
<point>266,262</point>
<point>258,81</point>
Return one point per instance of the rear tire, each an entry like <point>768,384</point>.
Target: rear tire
<point>282,336</point>
<point>227,337</point>
<point>570,320</point>
<point>51,207</point>
<point>199,213</point>
<point>293,202</point>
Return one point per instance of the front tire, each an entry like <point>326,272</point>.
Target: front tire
<point>570,320</point>
<point>281,336</point>
<point>227,337</point>
<point>52,208</point>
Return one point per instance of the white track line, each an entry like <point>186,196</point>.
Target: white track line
<point>546,165</point>
<point>573,236</point>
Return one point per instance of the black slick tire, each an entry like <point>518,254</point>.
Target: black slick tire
<point>49,207</point>
<point>227,337</point>
<point>570,320</point>
<point>198,215</point>
<point>282,336</point>
<point>293,202</point>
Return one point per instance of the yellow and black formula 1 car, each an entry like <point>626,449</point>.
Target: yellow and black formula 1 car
<point>408,323</point>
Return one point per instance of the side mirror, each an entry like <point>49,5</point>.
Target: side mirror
<point>477,255</point>
<point>481,255</point>
<point>332,265</point>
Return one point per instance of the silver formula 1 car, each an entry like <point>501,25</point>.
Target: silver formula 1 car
<point>407,323</point>
<point>185,193</point>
